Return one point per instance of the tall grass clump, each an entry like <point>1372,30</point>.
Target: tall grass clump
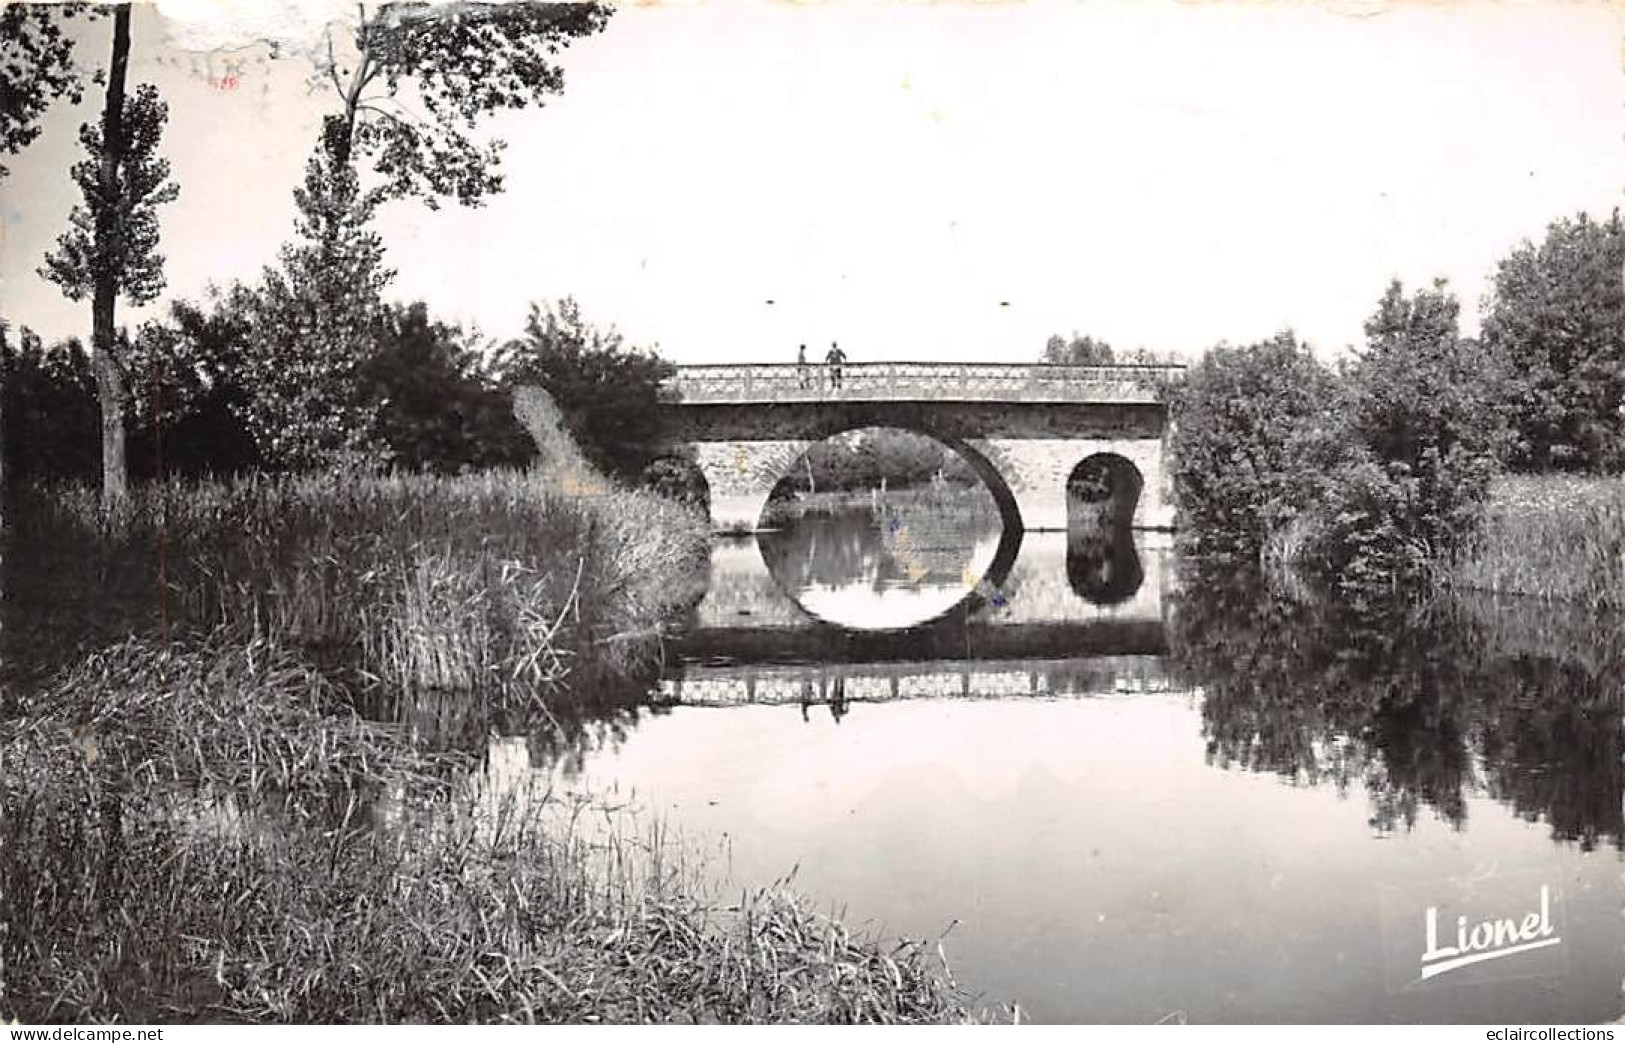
<point>1553,537</point>
<point>497,580</point>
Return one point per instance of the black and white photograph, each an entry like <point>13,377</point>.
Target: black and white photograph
<point>768,512</point>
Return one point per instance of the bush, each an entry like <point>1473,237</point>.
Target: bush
<point>439,408</point>
<point>52,422</point>
<point>1421,434</point>
<point>1248,441</point>
<point>607,392</point>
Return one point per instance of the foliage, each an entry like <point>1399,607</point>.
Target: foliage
<point>1083,350</point>
<point>1249,440</point>
<point>455,63</point>
<point>679,479</point>
<point>1369,476</point>
<point>1421,436</point>
<point>50,410</point>
<point>128,256</point>
<point>439,406</point>
<point>436,401</point>
<point>187,393</point>
<point>868,458</point>
<point>1078,351</point>
<point>607,391</point>
<point>1556,314</point>
<point>312,324</point>
<point>36,68</point>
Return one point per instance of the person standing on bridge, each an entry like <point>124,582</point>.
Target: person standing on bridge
<point>803,375</point>
<point>834,360</point>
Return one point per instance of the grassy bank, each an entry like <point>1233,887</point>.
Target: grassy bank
<point>196,836</point>
<point>1554,537</point>
<point>199,825</point>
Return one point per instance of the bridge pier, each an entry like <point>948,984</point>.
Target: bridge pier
<point>741,474</point>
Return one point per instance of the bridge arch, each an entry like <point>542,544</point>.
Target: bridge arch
<point>1011,529</point>
<point>1102,491</point>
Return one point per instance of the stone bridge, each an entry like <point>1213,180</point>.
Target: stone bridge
<point>1026,429</point>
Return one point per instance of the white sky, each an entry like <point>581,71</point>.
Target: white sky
<point>1157,174</point>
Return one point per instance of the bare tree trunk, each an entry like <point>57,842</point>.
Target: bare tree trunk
<point>111,391</point>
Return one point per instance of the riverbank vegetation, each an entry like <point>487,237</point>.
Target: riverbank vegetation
<point>199,743</point>
<point>212,834</point>
<point>1552,537</point>
<point>1382,470</point>
<point>454,582</point>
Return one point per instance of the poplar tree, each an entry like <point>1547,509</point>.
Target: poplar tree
<point>110,249</point>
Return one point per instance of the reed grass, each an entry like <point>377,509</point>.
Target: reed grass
<point>1551,537</point>
<point>491,581</point>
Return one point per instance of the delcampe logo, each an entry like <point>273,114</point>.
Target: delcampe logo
<point>1487,940</point>
<point>1476,930</point>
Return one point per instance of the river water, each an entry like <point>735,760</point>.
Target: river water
<point>1132,788</point>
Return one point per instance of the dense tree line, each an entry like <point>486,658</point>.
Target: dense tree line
<point>1369,471</point>
<point>434,397</point>
<point>1376,468</point>
<point>1084,350</point>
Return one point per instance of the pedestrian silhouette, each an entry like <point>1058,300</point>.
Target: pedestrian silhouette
<point>802,373</point>
<point>834,359</point>
<point>837,698</point>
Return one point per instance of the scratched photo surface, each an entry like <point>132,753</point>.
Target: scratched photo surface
<point>1074,512</point>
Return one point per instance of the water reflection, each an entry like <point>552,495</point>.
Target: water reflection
<point>880,567</point>
<point>1102,566</point>
<point>1141,785</point>
<point>884,566</point>
<point>1421,704</point>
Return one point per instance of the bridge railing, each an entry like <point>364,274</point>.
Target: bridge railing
<point>756,382</point>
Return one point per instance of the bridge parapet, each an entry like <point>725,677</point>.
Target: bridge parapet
<point>919,381</point>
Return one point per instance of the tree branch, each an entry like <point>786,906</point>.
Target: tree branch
<point>333,65</point>
<point>405,117</point>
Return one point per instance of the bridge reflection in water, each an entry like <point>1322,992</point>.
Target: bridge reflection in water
<point>1069,617</point>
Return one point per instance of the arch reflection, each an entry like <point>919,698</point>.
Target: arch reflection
<point>1103,568</point>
